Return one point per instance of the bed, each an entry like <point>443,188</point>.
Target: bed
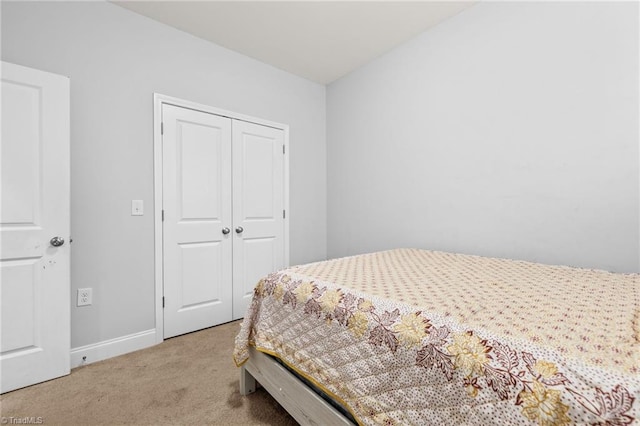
<point>422,337</point>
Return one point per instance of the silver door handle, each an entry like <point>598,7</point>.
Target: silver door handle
<point>225,231</point>
<point>239,230</point>
<point>57,241</point>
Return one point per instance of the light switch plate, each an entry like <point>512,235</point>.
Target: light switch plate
<point>137,208</point>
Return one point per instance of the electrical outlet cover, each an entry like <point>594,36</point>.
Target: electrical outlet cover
<point>85,297</point>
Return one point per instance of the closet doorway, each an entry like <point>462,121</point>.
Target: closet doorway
<point>221,212</point>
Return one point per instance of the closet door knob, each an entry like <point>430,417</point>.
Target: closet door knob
<point>239,230</point>
<point>225,231</point>
<point>56,241</point>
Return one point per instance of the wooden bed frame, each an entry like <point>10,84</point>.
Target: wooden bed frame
<point>304,405</point>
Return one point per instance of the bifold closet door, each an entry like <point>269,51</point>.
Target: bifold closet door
<point>258,208</point>
<point>197,220</point>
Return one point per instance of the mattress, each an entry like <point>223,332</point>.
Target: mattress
<point>412,336</point>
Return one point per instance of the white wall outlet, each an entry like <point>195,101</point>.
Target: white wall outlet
<point>85,296</point>
<point>137,208</point>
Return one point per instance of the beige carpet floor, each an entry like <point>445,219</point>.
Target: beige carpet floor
<point>189,379</point>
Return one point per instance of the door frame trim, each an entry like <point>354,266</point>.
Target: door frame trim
<point>158,101</point>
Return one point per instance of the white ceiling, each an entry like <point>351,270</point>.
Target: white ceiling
<point>317,40</point>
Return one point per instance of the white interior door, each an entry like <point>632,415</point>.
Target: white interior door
<point>197,220</point>
<point>258,208</point>
<point>34,274</point>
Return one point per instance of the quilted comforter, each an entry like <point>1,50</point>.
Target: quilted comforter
<point>421,337</point>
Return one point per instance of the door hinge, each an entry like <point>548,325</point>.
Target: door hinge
<point>284,214</point>
<point>163,301</point>
<point>163,215</point>
<point>283,149</point>
<point>162,128</point>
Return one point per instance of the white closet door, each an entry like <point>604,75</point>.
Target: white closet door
<point>34,270</point>
<point>258,189</point>
<point>197,213</point>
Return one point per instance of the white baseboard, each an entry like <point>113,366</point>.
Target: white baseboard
<point>109,348</point>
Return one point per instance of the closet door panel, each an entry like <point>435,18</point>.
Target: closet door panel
<point>197,208</point>
<point>258,222</point>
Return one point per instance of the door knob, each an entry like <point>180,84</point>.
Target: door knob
<point>239,230</point>
<point>57,241</point>
<point>225,231</point>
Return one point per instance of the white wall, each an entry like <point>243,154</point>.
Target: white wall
<point>510,130</point>
<point>116,60</point>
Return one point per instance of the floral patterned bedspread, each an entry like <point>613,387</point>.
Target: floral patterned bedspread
<point>420,337</point>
